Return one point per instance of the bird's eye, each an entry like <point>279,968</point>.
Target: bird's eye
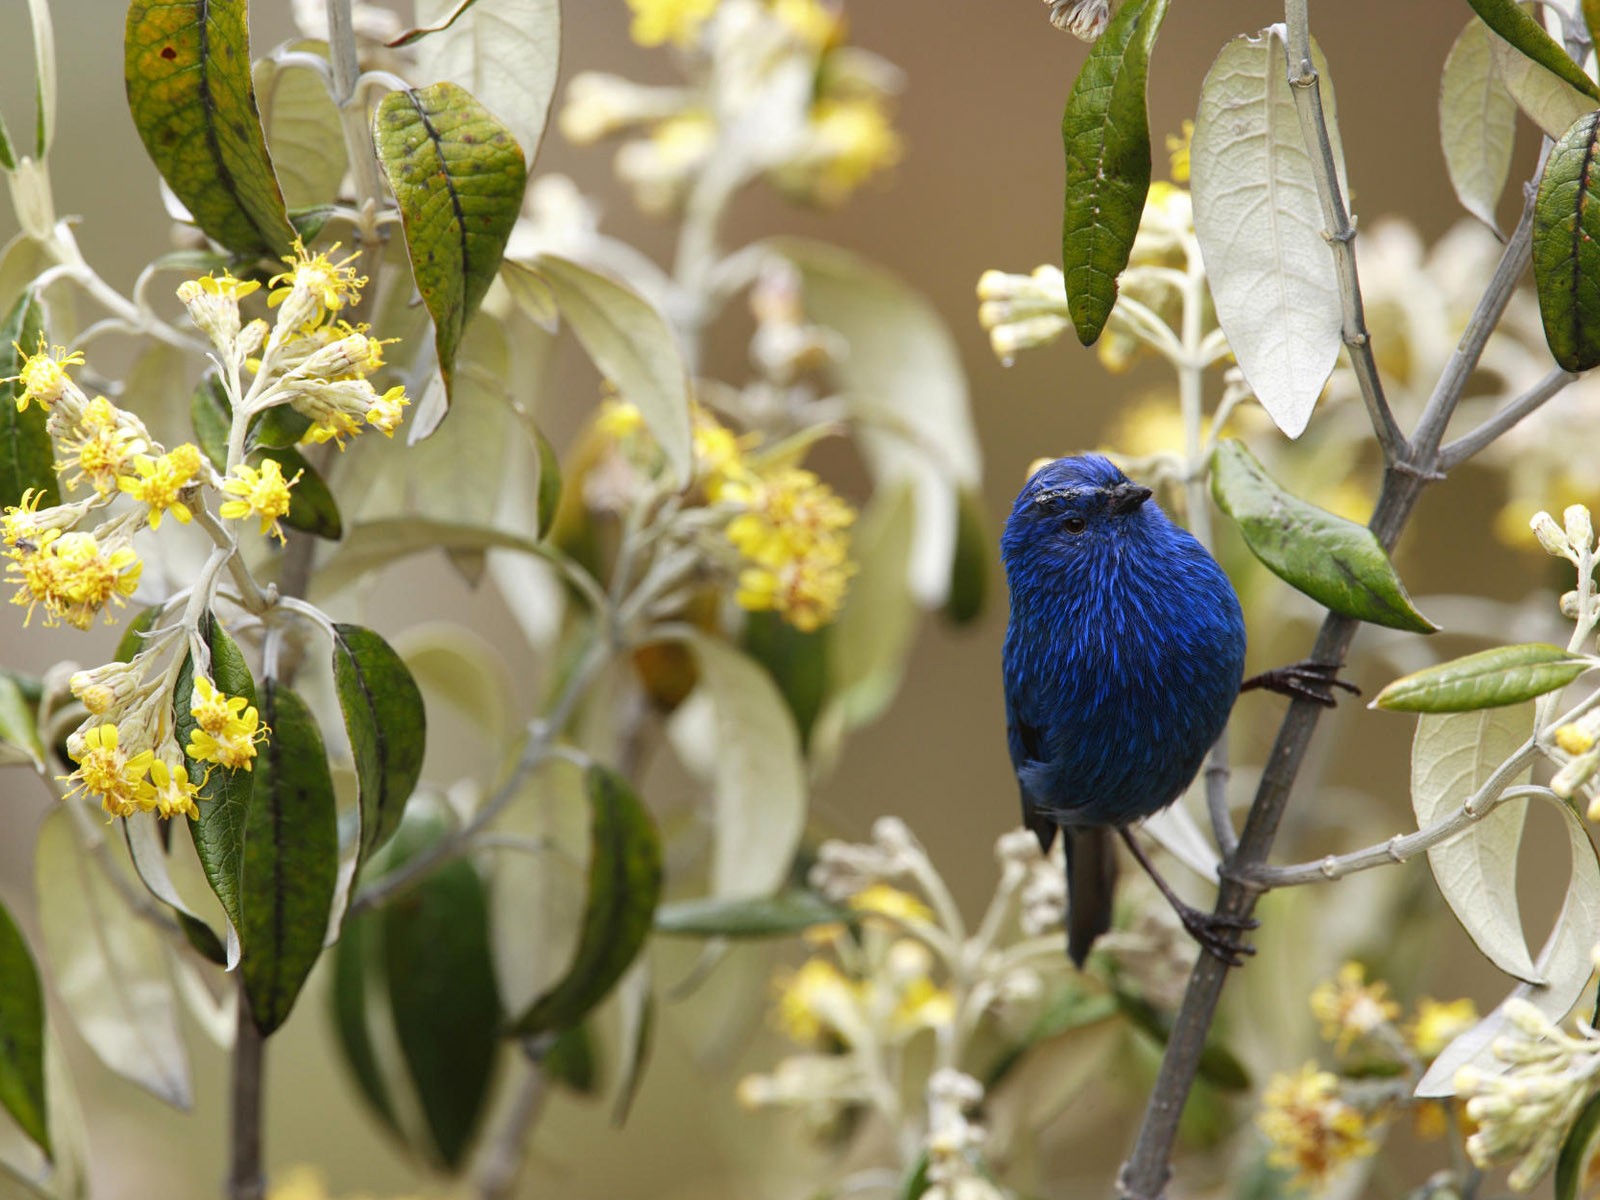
<point>1074,524</point>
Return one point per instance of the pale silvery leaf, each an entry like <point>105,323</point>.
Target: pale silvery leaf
<point>1547,100</point>
<point>635,1017</point>
<point>757,774</point>
<point>149,860</point>
<point>1179,834</point>
<point>455,474</point>
<point>530,587</point>
<point>1259,223</point>
<point>505,52</point>
<point>44,66</point>
<point>633,346</point>
<point>303,132</point>
<point>1566,962</point>
<point>461,668</point>
<point>109,967</point>
<point>1477,122</point>
<point>906,391</point>
<point>538,884</point>
<point>1452,756</point>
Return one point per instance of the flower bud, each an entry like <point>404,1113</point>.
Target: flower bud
<point>1084,19</point>
<point>1550,535</point>
<point>1580,528</point>
<point>1574,739</point>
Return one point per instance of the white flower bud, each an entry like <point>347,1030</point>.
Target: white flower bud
<point>1580,528</point>
<point>1550,535</point>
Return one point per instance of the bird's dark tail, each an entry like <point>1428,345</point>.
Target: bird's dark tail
<point>1091,878</point>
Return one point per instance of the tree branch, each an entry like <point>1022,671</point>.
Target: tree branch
<point>245,1178</point>
<point>1339,230</point>
<point>1457,452</point>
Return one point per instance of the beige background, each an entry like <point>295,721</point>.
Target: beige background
<point>979,188</point>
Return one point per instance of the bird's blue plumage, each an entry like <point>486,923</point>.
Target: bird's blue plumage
<point>1124,652</point>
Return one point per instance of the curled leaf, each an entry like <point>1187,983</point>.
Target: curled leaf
<point>1566,255</point>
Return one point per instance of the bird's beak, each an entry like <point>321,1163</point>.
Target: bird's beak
<point>1126,497</point>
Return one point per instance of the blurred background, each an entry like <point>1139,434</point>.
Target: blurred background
<point>978,188</point>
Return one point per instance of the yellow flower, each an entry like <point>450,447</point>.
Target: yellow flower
<point>43,374</point>
<point>792,514</point>
<point>20,522</point>
<point>262,493</point>
<point>161,480</point>
<point>315,286</point>
<point>101,447</point>
<point>225,286</point>
<point>107,771</point>
<point>1574,739</point>
<point>385,414</point>
<point>814,23</point>
<point>617,420</point>
<point>1349,1008</point>
<point>807,593</point>
<point>923,1005</point>
<point>816,1000</point>
<point>73,577</point>
<point>677,21</point>
<point>718,453</point>
<point>228,727</point>
<point>852,140</point>
<point>882,900</point>
<point>1313,1132</point>
<point>171,792</point>
<point>1178,152</point>
<point>1439,1023</point>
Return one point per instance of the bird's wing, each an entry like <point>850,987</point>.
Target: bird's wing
<point>1027,758</point>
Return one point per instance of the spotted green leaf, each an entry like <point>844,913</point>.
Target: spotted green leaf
<point>1566,256</point>
<point>387,726</point>
<point>187,69</point>
<point>457,173</point>
<point>1488,679</point>
<point>224,797</point>
<point>624,887</point>
<point>27,459</point>
<point>290,858</point>
<point>1106,133</point>
<point>1336,562</point>
<point>1513,23</point>
<point>750,917</point>
<point>21,1035</point>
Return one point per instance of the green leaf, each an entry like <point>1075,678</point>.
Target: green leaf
<point>1591,18</point>
<point>1106,133</point>
<point>108,966</point>
<point>19,721</point>
<point>27,458</point>
<point>969,566</point>
<point>1488,679</point>
<point>312,508</point>
<point>281,425</point>
<point>1336,562</point>
<point>224,796</point>
<point>187,68</point>
<point>572,1062</point>
<point>290,859</point>
<point>458,175</point>
<point>1072,1009</point>
<point>1577,1150</point>
<point>1258,219</point>
<point>442,995</point>
<point>212,419</point>
<point>387,726</point>
<point>1452,756</point>
<point>633,346</point>
<point>549,483</point>
<point>1517,26</point>
<point>21,1035</point>
<point>796,659</point>
<point>355,978</point>
<point>624,887</point>
<point>1566,258</point>
<point>303,130</point>
<point>1477,123</point>
<point>132,640</point>
<point>1218,1065</point>
<point>505,52</point>
<point>753,917</point>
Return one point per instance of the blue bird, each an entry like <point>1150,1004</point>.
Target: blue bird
<point>1123,657</point>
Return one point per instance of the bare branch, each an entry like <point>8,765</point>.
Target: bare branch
<point>1457,452</point>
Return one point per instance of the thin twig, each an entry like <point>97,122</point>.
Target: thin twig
<point>245,1178</point>
<point>1339,231</point>
<point>1145,1174</point>
<point>500,1160</point>
<point>1457,452</point>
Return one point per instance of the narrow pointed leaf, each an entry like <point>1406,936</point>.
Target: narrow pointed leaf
<point>624,887</point>
<point>636,1004</point>
<point>290,860</point>
<point>27,458</point>
<point>1452,756</point>
<point>132,640</point>
<point>1336,562</point>
<point>750,917</point>
<point>1566,255</point>
<point>387,726</point>
<point>1577,1151</point>
<point>187,68</point>
<point>1105,131</point>
<point>1512,22</point>
<point>224,797</point>
<point>632,345</point>
<point>109,967</point>
<point>572,1061</point>
<point>1259,222</point>
<point>312,508</point>
<point>21,1035</point>
<point>435,943</point>
<point>1477,123</point>
<point>1488,679</point>
<point>458,174</point>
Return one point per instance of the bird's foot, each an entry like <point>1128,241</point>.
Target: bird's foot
<point>1219,933</point>
<point>1305,680</point>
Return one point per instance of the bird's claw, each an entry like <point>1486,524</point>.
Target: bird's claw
<point>1305,680</point>
<point>1218,934</point>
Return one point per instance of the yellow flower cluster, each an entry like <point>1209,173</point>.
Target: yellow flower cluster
<point>262,493</point>
<point>1348,1008</point>
<point>227,728</point>
<point>1312,1130</point>
<point>128,783</point>
<point>656,22</point>
<point>72,576</point>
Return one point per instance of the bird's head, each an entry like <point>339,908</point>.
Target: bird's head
<point>1074,508</point>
